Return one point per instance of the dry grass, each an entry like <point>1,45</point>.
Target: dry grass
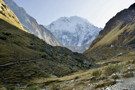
<point>128,75</point>
<point>83,78</point>
<point>7,15</point>
<point>30,60</point>
<point>105,83</point>
<point>129,56</point>
<point>108,38</point>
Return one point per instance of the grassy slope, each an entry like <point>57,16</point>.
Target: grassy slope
<point>119,31</point>
<point>7,15</point>
<point>17,46</point>
<point>24,57</point>
<point>81,80</point>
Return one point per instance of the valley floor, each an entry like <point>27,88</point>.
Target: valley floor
<point>117,73</point>
<point>111,75</point>
<point>114,76</point>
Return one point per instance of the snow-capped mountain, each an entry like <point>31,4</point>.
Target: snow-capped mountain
<point>74,31</point>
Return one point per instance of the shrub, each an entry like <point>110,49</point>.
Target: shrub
<point>115,77</point>
<point>97,73</point>
<point>133,61</point>
<point>77,77</point>
<point>33,88</point>
<point>6,33</point>
<point>3,38</point>
<point>44,56</point>
<point>79,60</point>
<point>128,75</point>
<point>112,69</point>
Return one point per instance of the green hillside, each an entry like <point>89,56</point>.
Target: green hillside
<point>24,57</point>
<point>116,37</point>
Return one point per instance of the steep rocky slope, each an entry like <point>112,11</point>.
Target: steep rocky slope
<point>7,15</point>
<point>74,32</point>
<point>117,36</point>
<point>31,25</point>
<point>24,57</point>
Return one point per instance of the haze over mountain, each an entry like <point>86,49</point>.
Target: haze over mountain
<point>31,25</point>
<point>74,32</point>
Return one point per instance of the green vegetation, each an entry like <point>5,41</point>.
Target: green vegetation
<point>24,57</point>
<point>97,73</point>
<point>81,80</point>
<point>109,70</point>
<point>128,75</point>
<point>7,15</point>
<point>28,62</point>
<point>33,88</point>
<point>117,37</point>
<point>27,57</point>
<point>115,77</point>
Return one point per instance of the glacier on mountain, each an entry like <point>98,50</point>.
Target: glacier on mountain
<point>74,31</point>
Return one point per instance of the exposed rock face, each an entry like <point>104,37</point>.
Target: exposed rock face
<point>74,32</point>
<point>31,25</point>
<point>119,31</point>
<point>7,15</point>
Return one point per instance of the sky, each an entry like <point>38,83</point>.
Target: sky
<point>97,12</point>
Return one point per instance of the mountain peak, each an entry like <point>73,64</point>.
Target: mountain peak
<point>132,6</point>
<point>73,19</point>
<point>73,31</point>
<point>69,24</point>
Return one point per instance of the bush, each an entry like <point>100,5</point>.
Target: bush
<point>33,88</point>
<point>3,38</point>
<point>115,77</point>
<point>133,61</point>
<point>44,56</point>
<point>112,69</point>
<point>6,33</point>
<point>128,75</point>
<point>97,73</point>
<point>79,60</point>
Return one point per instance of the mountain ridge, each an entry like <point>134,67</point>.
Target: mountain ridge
<point>118,32</point>
<point>9,16</point>
<point>25,57</point>
<point>30,24</point>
